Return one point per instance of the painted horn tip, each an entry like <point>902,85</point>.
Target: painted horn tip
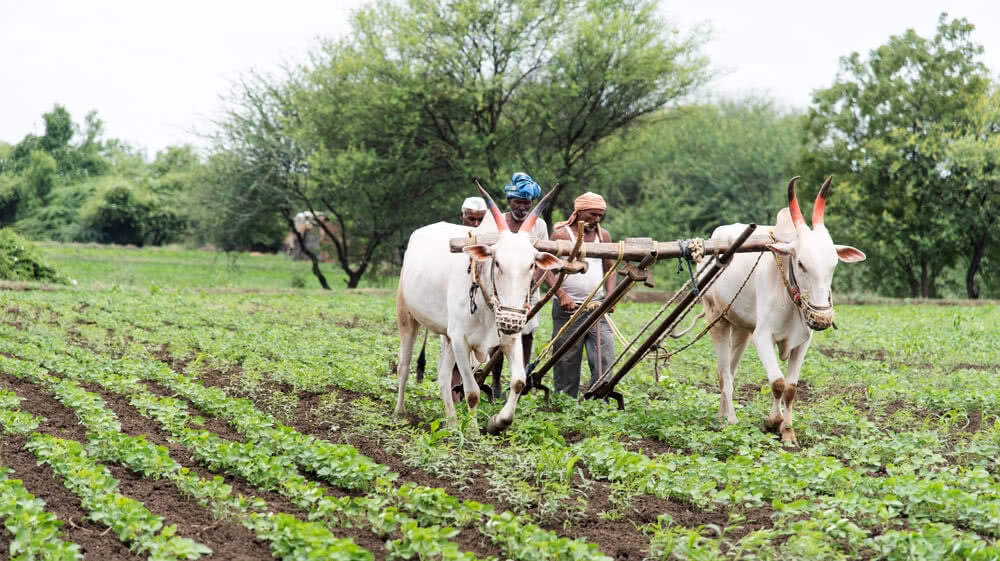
<point>791,187</point>
<point>825,189</point>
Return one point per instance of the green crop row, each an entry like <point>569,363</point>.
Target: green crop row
<point>35,531</point>
<point>264,461</point>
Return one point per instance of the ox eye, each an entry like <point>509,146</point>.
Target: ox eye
<point>803,268</point>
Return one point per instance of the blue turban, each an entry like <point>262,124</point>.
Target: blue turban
<point>521,186</point>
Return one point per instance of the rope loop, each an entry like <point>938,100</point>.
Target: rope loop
<point>691,251</point>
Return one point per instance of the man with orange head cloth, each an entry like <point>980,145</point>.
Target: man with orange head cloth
<point>589,209</point>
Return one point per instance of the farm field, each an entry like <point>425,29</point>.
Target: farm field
<point>165,420</point>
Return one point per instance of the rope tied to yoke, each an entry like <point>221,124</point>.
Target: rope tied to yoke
<point>691,251</point>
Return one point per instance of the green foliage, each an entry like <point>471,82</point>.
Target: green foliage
<point>697,167</point>
<point>20,261</point>
<point>884,128</point>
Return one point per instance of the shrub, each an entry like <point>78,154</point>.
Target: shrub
<point>21,261</point>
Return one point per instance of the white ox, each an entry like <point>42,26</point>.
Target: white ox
<point>787,298</point>
<point>435,291</point>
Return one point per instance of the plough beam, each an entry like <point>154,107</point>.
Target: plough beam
<point>604,386</point>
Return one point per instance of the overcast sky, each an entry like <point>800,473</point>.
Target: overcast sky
<point>155,71</point>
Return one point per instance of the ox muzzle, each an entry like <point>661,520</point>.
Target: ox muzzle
<point>510,321</point>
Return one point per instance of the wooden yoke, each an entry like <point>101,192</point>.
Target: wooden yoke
<point>636,249</point>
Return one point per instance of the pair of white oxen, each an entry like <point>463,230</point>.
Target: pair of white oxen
<point>787,297</point>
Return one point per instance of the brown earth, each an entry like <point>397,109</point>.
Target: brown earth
<point>619,539</point>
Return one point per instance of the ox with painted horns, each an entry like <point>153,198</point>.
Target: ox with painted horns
<point>475,301</point>
<point>787,296</point>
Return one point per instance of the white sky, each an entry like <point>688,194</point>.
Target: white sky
<point>155,72</point>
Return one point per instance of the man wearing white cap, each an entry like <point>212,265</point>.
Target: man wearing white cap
<point>473,211</point>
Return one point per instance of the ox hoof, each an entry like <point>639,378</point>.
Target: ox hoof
<point>788,436</point>
<point>773,425</point>
<point>495,427</point>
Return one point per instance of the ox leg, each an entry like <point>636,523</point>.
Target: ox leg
<point>722,340</point>
<point>445,366</point>
<point>460,349</point>
<point>795,360</point>
<point>407,337</point>
<point>514,353</point>
<point>738,341</point>
<point>764,343</point>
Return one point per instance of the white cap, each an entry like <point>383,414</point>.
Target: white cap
<point>475,204</point>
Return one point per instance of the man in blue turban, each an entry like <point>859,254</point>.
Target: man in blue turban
<point>521,192</point>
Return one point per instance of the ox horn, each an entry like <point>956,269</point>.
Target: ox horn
<point>793,204</point>
<point>529,222</point>
<point>497,216</point>
<point>821,203</point>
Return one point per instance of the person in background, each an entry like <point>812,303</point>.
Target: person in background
<point>473,211</point>
<point>521,193</point>
<point>600,342</point>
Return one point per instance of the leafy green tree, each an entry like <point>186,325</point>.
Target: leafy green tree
<point>258,166</point>
<point>58,129</point>
<point>973,159</point>
<point>527,84</point>
<point>884,126</point>
<point>697,167</point>
<point>40,176</point>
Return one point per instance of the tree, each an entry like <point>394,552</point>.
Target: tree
<point>257,166</point>
<point>884,127</point>
<point>973,159</point>
<point>696,167</point>
<point>527,84</point>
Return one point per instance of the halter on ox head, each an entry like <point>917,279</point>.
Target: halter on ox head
<point>807,257</point>
<point>514,260</point>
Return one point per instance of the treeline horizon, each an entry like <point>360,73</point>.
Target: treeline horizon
<point>383,130</point>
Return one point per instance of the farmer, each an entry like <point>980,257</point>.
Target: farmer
<point>473,211</point>
<point>589,209</point>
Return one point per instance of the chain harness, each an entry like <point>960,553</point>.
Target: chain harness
<point>817,318</point>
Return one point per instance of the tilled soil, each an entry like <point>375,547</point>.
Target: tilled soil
<point>618,538</point>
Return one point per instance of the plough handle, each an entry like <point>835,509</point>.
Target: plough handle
<point>605,386</point>
<point>620,290</point>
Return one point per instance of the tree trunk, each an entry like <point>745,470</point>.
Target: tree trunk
<point>924,279</point>
<point>932,282</point>
<point>354,277</point>
<point>312,256</point>
<point>978,249</point>
<point>547,211</point>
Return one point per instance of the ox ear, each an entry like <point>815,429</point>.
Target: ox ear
<point>479,252</point>
<point>546,260</point>
<point>848,254</point>
<point>782,248</point>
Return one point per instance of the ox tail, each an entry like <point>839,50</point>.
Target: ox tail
<point>422,359</point>
<point>689,328</point>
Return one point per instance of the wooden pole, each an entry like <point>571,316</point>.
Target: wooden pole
<point>635,248</point>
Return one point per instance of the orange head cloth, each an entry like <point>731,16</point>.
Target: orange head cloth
<point>585,201</point>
